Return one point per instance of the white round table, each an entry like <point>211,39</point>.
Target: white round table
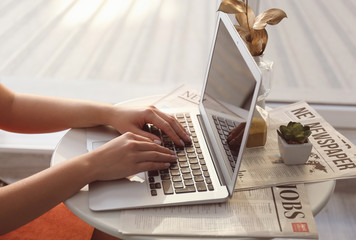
<point>73,144</point>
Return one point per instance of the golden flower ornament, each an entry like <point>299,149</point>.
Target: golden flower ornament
<point>252,29</point>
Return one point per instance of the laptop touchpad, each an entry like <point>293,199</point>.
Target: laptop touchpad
<point>107,194</point>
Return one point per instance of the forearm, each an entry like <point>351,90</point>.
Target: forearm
<point>36,114</point>
<point>27,199</point>
<point>26,113</point>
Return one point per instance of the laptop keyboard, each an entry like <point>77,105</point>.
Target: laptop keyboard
<point>224,127</point>
<point>190,173</point>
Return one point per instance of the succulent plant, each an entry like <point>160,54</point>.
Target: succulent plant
<point>252,29</point>
<point>294,133</point>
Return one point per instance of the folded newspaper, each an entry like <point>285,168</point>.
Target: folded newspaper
<point>282,211</point>
<point>333,155</point>
<point>279,211</point>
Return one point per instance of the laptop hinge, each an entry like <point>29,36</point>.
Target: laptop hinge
<point>212,154</point>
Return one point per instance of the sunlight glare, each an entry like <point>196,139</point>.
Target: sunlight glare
<point>111,10</point>
<point>82,11</point>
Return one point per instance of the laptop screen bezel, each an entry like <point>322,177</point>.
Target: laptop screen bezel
<point>230,180</point>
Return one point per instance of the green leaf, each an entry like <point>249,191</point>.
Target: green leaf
<point>295,132</point>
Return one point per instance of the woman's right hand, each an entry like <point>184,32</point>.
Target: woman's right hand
<point>129,154</point>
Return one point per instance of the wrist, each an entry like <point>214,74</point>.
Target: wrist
<point>105,115</point>
<point>112,116</point>
<point>87,164</point>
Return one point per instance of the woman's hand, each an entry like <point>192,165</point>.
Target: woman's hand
<point>131,119</point>
<point>128,154</point>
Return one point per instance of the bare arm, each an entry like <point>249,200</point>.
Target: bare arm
<point>36,114</point>
<point>23,201</point>
<point>128,154</point>
<point>27,113</point>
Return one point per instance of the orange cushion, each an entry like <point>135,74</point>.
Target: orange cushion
<point>57,224</point>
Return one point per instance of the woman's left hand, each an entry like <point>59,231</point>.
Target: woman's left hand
<point>130,119</point>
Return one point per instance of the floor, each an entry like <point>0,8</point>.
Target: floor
<point>111,51</point>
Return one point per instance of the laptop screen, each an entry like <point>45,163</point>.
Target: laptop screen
<point>229,98</point>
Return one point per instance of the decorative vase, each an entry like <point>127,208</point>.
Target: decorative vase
<point>294,153</point>
<point>266,67</point>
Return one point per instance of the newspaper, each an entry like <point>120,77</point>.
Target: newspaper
<point>282,211</point>
<point>181,96</point>
<point>333,155</point>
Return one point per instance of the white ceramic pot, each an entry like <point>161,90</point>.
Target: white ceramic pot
<point>294,153</point>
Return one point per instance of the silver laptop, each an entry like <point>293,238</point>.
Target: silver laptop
<point>206,170</point>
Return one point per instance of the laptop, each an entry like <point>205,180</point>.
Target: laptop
<point>206,170</point>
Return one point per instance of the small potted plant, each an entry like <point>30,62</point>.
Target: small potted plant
<point>293,143</point>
